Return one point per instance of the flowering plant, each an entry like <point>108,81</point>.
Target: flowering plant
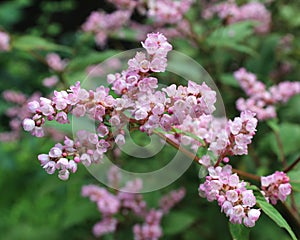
<point>182,114</point>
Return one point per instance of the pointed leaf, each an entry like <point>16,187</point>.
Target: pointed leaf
<point>29,43</point>
<point>272,213</point>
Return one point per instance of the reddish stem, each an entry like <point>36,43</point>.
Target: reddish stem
<point>289,168</point>
<point>196,158</point>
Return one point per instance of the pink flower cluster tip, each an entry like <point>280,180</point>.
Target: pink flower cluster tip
<point>102,24</point>
<point>232,195</point>
<point>233,13</point>
<point>126,202</point>
<point>168,11</point>
<point>276,187</point>
<point>262,101</point>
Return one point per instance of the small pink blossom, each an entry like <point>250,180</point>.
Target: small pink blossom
<point>28,124</point>
<point>4,41</point>
<point>55,62</point>
<point>64,174</point>
<point>50,81</point>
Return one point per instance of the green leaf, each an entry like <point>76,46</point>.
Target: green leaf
<point>232,37</point>
<point>273,124</point>
<point>176,222</point>
<point>265,62</point>
<point>11,12</point>
<point>29,43</point>
<point>81,62</point>
<point>239,231</point>
<point>201,152</point>
<point>83,212</point>
<point>290,136</point>
<point>229,80</point>
<point>272,213</point>
<point>65,128</point>
<point>286,12</point>
<point>126,33</point>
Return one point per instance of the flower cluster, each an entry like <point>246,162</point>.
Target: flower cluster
<point>151,228</point>
<point>17,112</point>
<point>124,201</point>
<point>102,107</point>
<point>183,114</point>
<point>4,41</point>
<point>168,11</point>
<point>262,101</point>
<point>101,24</point>
<point>167,16</point>
<point>88,147</point>
<point>55,62</point>
<point>58,159</point>
<point>220,136</point>
<point>76,100</point>
<point>233,13</point>
<point>276,187</point>
<point>170,200</point>
<point>239,133</point>
<point>184,108</point>
<point>232,195</point>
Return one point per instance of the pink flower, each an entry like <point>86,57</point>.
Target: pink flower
<point>62,118</point>
<point>232,195</point>
<point>120,140</point>
<point>55,152</point>
<point>140,114</point>
<point>64,174</point>
<point>55,62</point>
<point>85,159</point>
<point>252,217</point>
<point>79,111</point>
<point>205,161</point>
<point>72,166</point>
<point>33,106</point>
<point>50,167</point>
<point>62,163</point>
<point>105,226</point>
<point>50,81</point>
<point>38,132</point>
<point>28,124</point>
<point>43,158</point>
<point>4,41</point>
